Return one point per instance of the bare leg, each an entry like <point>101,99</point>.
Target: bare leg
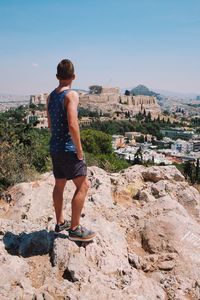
<point>58,199</point>
<point>82,185</point>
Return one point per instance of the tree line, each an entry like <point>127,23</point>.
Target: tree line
<point>24,150</point>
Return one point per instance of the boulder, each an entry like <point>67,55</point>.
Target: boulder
<point>156,174</point>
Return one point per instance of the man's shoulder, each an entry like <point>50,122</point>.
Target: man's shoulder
<point>72,94</point>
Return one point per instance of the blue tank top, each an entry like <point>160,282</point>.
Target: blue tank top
<point>61,140</point>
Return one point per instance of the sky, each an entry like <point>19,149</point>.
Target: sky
<point>111,43</point>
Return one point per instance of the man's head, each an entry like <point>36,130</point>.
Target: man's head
<point>65,70</point>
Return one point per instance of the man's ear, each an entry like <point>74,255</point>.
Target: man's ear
<point>57,76</point>
<point>73,77</point>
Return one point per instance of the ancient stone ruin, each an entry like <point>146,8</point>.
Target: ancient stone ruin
<point>111,101</point>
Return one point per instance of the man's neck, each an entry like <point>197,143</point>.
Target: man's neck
<point>64,84</point>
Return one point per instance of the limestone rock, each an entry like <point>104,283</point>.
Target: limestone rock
<point>112,102</point>
<point>155,174</point>
<point>147,244</point>
<point>134,260</point>
<point>166,265</point>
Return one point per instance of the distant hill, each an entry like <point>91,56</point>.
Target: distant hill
<point>162,93</point>
<point>176,94</point>
<point>142,90</point>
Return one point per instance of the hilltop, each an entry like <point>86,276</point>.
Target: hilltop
<point>142,90</point>
<point>148,237</point>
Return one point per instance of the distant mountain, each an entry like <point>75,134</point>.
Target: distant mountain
<point>176,94</point>
<point>142,90</point>
<point>163,93</point>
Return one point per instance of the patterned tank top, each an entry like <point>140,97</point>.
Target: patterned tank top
<point>61,140</point>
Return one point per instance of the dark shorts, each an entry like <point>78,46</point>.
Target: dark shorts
<point>67,165</point>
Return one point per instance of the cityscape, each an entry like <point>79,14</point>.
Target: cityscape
<point>178,144</point>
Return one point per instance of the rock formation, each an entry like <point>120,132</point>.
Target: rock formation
<point>110,101</point>
<point>147,244</point>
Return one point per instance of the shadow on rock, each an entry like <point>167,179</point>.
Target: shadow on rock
<point>34,243</point>
<point>30,244</point>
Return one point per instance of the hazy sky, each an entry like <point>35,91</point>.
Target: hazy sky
<point>111,42</point>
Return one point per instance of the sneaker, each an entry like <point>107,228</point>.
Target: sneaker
<point>60,227</point>
<point>81,234</point>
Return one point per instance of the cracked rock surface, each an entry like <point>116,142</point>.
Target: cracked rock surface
<point>147,245</point>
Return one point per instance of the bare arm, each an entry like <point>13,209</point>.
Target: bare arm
<point>48,117</point>
<point>71,102</point>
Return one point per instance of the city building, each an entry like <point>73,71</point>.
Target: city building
<point>85,121</point>
<point>133,135</point>
<point>39,99</point>
<point>118,141</point>
<point>164,143</point>
<point>196,145</point>
<point>177,133</point>
<point>182,146</point>
<point>38,119</point>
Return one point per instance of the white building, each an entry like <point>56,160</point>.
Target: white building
<point>182,146</point>
<point>128,153</point>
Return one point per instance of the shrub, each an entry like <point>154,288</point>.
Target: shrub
<point>108,162</point>
<point>96,142</point>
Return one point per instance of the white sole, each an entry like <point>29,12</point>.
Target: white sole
<point>62,231</point>
<point>83,240</point>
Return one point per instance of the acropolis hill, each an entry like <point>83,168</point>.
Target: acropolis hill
<point>111,102</point>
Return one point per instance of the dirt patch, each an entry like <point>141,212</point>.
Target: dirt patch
<point>123,198</point>
<point>35,184</point>
<point>40,268</point>
<point>134,242</point>
<point>4,208</point>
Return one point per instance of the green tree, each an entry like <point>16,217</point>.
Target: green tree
<point>127,93</point>
<point>23,149</point>
<point>15,165</point>
<point>188,169</point>
<point>158,119</point>
<point>140,139</point>
<point>138,159</point>
<point>149,116</point>
<point>96,142</point>
<point>95,89</point>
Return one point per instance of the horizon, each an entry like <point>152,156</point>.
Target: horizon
<point>111,44</point>
<point>154,89</point>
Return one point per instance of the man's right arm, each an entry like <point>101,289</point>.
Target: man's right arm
<point>72,100</point>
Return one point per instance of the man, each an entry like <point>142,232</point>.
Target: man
<point>66,152</point>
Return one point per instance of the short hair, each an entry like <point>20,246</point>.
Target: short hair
<point>65,69</point>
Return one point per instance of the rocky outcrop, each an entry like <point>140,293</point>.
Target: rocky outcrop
<point>147,244</point>
<point>114,103</point>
